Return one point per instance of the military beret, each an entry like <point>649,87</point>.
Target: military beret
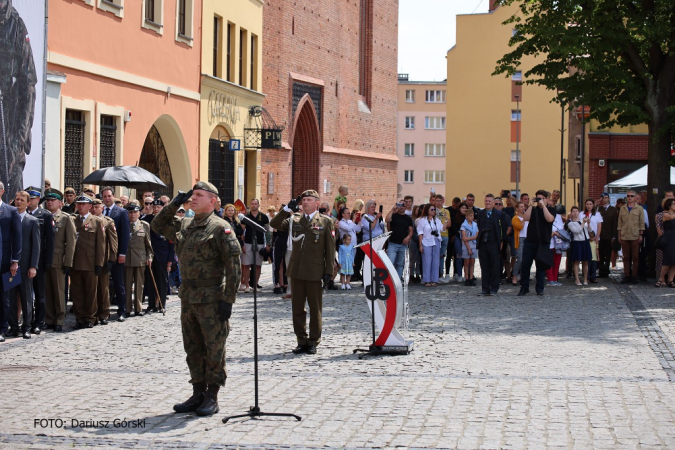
<point>205,186</point>
<point>310,193</point>
<point>88,191</point>
<point>157,202</point>
<point>131,207</point>
<point>84,199</point>
<point>34,192</point>
<point>53,194</point>
<point>97,201</point>
<point>69,190</point>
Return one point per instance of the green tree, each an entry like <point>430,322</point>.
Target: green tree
<point>618,56</point>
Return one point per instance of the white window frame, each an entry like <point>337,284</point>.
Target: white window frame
<point>513,155</point>
<point>516,115</point>
<point>188,37</point>
<point>409,123</point>
<point>434,176</point>
<point>409,149</point>
<point>435,96</point>
<point>434,123</point>
<point>410,95</point>
<point>116,7</point>
<point>408,176</point>
<point>517,76</point>
<point>434,150</point>
<point>156,25</point>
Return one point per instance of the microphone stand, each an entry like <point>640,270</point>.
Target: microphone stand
<point>255,411</point>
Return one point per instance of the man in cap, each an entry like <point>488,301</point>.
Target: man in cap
<point>138,259</point>
<point>64,249</point>
<point>121,218</point>
<point>69,196</point>
<point>103,279</point>
<point>46,225</point>
<point>208,254</point>
<point>311,261</point>
<point>12,239</point>
<point>88,263</point>
<point>30,257</point>
<point>163,250</point>
<point>608,233</point>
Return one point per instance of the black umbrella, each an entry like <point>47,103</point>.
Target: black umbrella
<point>132,177</point>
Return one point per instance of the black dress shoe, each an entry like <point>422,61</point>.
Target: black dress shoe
<point>311,349</point>
<point>139,314</point>
<point>121,318</point>
<point>593,281</point>
<point>485,293</point>
<point>300,349</point>
<point>58,328</point>
<point>26,335</point>
<point>36,330</point>
<point>89,325</point>
<point>625,280</point>
<point>540,293</point>
<point>2,338</point>
<point>103,322</point>
<point>523,292</point>
<point>284,289</point>
<point>277,290</point>
<point>78,326</point>
<point>48,326</point>
<point>12,333</point>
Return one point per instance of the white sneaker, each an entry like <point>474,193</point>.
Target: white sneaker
<point>343,287</point>
<point>461,280</point>
<point>445,279</point>
<point>348,286</point>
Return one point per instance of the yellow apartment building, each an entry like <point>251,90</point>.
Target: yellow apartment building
<point>231,81</point>
<point>490,117</point>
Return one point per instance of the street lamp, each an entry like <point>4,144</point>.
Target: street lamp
<point>517,145</point>
<point>562,145</point>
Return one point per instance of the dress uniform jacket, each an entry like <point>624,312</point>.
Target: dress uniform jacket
<point>103,282</point>
<point>140,247</point>
<point>89,253</point>
<point>65,238</point>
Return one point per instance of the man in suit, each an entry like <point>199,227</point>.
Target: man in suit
<point>608,233</point>
<point>10,228</point>
<point>311,261</point>
<point>88,263</point>
<point>64,248</point>
<point>492,236</point>
<point>28,263</point>
<point>121,219</point>
<point>46,224</point>
<point>103,284</point>
<point>163,250</point>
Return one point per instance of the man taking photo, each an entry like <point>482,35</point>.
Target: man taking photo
<point>401,226</point>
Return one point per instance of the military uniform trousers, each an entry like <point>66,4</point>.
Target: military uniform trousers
<point>25,294</point>
<point>204,336</point>
<point>83,295</point>
<point>136,274</point>
<point>55,298</point>
<point>40,301</point>
<point>310,292</point>
<point>103,295</point>
<point>162,281</point>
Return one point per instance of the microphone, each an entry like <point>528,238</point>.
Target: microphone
<point>252,224</point>
<point>368,219</point>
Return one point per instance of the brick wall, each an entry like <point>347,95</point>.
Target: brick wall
<point>611,147</point>
<point>317,42</point>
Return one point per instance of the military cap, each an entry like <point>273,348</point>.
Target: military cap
<point>205,186</point>
<point>53,194</point>
<point>157,202</point>
<point>133,207</point>
<point>69,190</point>
<point>34,192</point>
<point>88,191</point>
<point>310,193</point>
<point>84,199</point>
<point>97,201</point>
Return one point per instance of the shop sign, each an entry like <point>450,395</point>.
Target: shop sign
<point>270,138</point>
<point>223,108</point>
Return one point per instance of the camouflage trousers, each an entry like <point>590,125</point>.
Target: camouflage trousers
<point>204,336</point>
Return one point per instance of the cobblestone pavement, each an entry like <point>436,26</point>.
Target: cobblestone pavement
<point>578,368</point>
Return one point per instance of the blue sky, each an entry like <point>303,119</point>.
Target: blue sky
<point>426,32</point>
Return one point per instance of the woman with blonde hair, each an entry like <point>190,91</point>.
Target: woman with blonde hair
<point>358,259</point>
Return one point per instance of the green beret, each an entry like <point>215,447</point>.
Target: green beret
<point>53,194</point>
<point>310,193</point>
<point>205,186</point>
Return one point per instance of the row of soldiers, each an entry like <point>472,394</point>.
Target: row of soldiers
<point>82,249</point>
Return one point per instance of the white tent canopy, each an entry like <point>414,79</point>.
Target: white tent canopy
<point>635,180</point>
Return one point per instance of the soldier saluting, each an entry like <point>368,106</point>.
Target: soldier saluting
<point>208,254</point>
<point>311,261</point>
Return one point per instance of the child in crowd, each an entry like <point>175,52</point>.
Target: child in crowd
<point>341,198</point>
<point>346,259</point>
<point>469,233</point>
<point>594,257</point>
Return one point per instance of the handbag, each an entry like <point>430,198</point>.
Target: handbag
<point>544,256</point>
<point>662,242</point>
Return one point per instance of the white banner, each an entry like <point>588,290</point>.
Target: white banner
<point>22,72</point>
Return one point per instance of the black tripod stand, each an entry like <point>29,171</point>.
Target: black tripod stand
<point>254,411</point>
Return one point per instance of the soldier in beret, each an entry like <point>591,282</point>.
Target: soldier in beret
<point>69,196</point>
<point>103,279</point>
<point>64,249</point>
<point>88,263</point>
<point>208,254</point>
<point>139,256</point>
<point>311,261</point>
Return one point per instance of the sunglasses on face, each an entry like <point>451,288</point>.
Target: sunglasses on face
<point>499,204</point>
<point>630,196</point>
<point>432,210</point>
<point>149,203</point>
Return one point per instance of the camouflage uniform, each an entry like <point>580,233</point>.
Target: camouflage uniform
<point>17,86</point>
<point>208,255</point>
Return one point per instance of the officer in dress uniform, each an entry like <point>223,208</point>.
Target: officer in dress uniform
<point>208,254</point>
<point>163,250</point>
<point>139,256</point>
<point>311,261</point>
<point>46,225</point>
<point>64,249</point>
<point>103,280</point>
<point>88,263</point>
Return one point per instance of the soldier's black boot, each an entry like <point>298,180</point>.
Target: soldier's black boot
<point>191,404</point>
<point>210,405</point>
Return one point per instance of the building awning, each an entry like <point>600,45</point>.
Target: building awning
<point>634,180</point>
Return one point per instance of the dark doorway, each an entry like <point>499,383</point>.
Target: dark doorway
<point>154,159</point>
<point>306,151</point>
<point>221,169</point>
